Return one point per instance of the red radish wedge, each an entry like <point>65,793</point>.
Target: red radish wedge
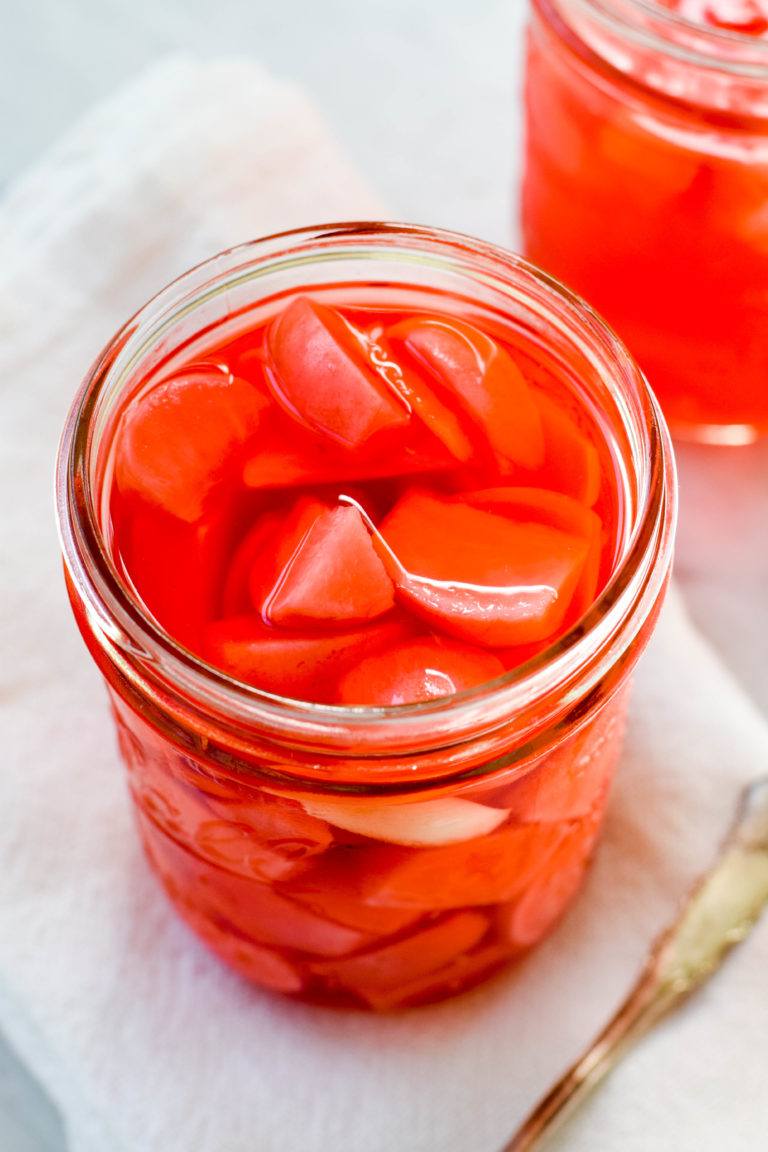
<point>318,372</point>
<point>486,870</point>
<point>325,568</point>
<point>382,973</point>
<point>329,884</point>
<point>181,439</point>
<point>423,669</point>
<point>302,665</point>
<point>477,575</point>
<point>540,506</point>
<point>438,417</point>
<point>482,377</point>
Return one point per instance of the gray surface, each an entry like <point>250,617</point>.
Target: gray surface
<point>28,1120</point>
<point>421,95</point>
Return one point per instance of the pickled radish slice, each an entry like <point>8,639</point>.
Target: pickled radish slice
<point>574,779</point>
<point>319,374</point>
<point>423,669</point>
<point>304,665</point>
<point>325,569</point>
<point>545,901</point>
<point>265,839</point>
<point>477,575</point>
<point>237,848</point>
<point>246,906</point>
<point>331,886</point>
<point>571,464</point>
<point>178,442</point>
<point>485,870</point>
<point>270,918</point>
<point>266,966</point>
<point>286,455</point>
<point>482,376</point>
<point>394,966</point>
<point>558,511</point>
<point>462,971</point>
<point>440,419</point>
<point>445,821</point>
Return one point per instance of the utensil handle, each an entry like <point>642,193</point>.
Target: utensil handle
<point>718,915</point>
<point>649,1000</point>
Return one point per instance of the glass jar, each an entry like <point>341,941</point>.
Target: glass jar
<point>371,857</point>
<point>646,190</point>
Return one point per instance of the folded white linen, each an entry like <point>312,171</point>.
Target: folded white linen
<point>143,1039</point>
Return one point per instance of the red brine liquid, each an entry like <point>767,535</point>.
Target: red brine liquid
<point>645,190</point>
<point>366,506</point>
<point>362,508</point>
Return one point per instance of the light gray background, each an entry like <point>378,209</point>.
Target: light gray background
<point>424,97</point>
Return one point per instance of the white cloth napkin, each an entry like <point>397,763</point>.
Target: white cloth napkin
<point>144,1040</point>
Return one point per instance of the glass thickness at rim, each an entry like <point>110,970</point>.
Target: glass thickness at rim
<point>132,638</point>
<point>664,30</point>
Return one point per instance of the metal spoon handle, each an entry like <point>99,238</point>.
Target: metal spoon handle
<point>718,914</point>
<point>634,1018</point>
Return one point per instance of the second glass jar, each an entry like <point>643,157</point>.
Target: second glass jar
<point>645,189</point>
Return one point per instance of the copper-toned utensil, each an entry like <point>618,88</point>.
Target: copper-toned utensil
<point>718,915</point>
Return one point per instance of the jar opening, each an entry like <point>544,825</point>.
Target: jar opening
<point>222,291</point>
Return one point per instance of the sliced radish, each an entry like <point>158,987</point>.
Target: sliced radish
<point>267,840</point>
<point>557,510</point>
<point>289,466</point>
<point>422,669</point>
<point>180,440</point>
<point>445,821</point>
<point>486,870</point>
<point>394,966</point>
<point>266,966</point>
<point>479,576</point>
<point>250,908</point>
<point>573,780</point>
<point>331,886</point>
<point>302,665</point>
<point>549,895</point>
<point>439,418</point>
<point>325,568</point>
<point>482,376</point>
<point>318,372</point>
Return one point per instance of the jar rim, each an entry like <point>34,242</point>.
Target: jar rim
<point>142,648</point>
<point>666,31</point>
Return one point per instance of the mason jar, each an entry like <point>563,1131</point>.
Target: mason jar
<point>373,857</point>
<point>646,190</point>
